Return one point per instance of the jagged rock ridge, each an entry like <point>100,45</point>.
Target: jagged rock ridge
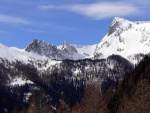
<point>42,48</point>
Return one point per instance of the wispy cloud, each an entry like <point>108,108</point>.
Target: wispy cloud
<point>35,31</point>
<point>45,7</point>
<point>12,19</point>
<point>6,32</point>
<point>98,10</point>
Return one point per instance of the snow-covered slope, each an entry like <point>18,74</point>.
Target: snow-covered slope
<point>20,81</point>
<point>43,55</point>
<point>87,50</point>
<point>125,38</point>
<point>13,54</point>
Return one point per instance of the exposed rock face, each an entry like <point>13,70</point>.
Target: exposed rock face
<point>66,51</point>
<point>119,25</point>
<point>42,48</point>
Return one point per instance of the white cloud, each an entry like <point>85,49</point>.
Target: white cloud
<point>105,10</point>
<point>6,32</point>
<point>12,19</point>
<point>35,31</point>
<point>48,7</point>
<point>99,10</point>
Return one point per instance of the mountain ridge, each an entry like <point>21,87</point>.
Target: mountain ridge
<point>66,70</point>
<point>125,38</point>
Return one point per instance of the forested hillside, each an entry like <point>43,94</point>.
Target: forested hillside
<point>132,95</point>
<point>22,83</point>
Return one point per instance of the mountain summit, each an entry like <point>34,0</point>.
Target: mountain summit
<point>128,39</point>
<point>66,51</point>
<point>42,48</point>
<point>119,25</point>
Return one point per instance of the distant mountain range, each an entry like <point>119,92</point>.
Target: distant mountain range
<point>68,68</point>
<point>125,41</point>
<point>129,39</point>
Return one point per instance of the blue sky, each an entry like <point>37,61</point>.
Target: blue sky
<point>82,22</point>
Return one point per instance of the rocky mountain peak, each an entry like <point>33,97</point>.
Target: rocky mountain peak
<point>42,48</point>
<point>37,43</point>
<point>119,25</point>
<point>39,46</point>
<point>67,47</point>
<point>125,38</point>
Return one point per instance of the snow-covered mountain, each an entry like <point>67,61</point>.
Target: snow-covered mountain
<point>12,54</point>
<point>65,51</point>
<point>128,39</point>
<point>68,68</point>
<point>43,55</point>
<point>50,59</point>
<point>18,66</point>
